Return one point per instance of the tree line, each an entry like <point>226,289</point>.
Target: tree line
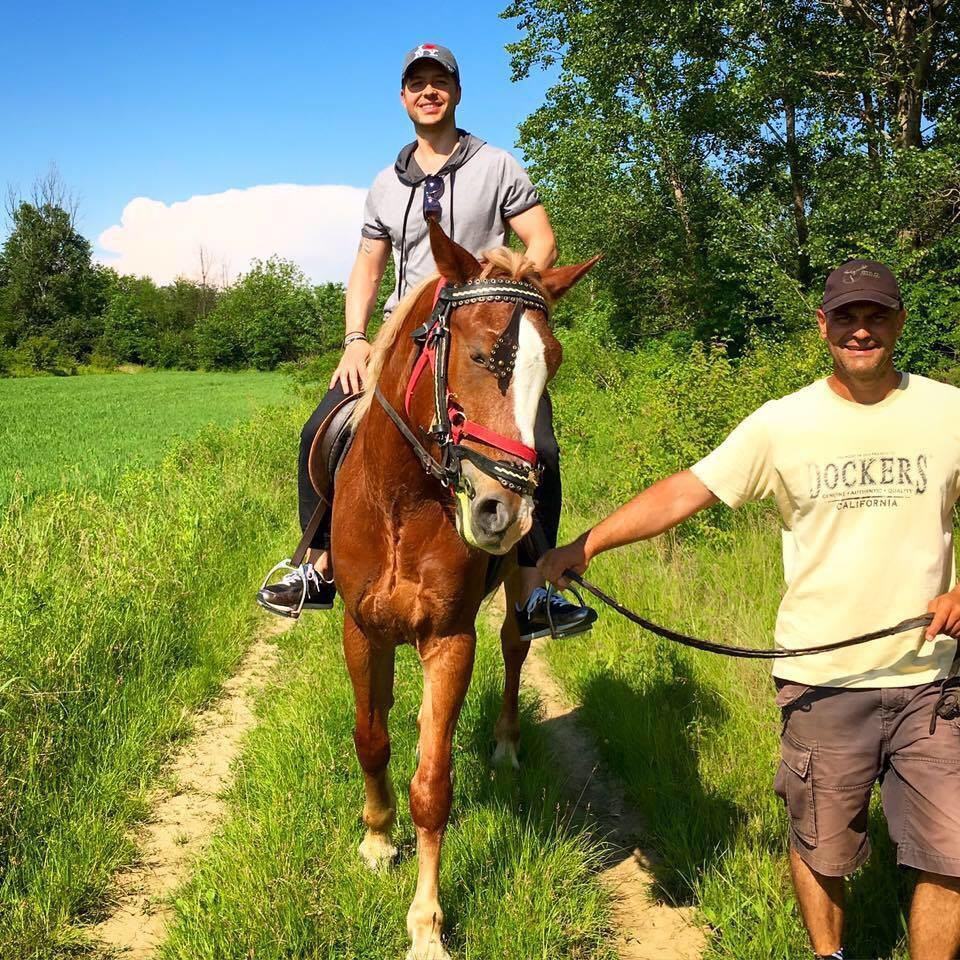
<point>726,154</point>
<point>59,309</point>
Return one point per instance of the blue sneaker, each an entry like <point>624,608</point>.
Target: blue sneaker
<point>551,615</point>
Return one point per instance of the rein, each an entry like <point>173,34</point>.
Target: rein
<point>451,425</point>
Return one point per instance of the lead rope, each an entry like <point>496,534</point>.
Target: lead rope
<point>728,650</point>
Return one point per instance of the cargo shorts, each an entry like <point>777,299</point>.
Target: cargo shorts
<point>836,743</point>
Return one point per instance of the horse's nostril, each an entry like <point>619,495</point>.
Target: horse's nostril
<point>491,516</point>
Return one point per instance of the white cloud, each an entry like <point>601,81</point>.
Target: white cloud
<point>315,226</point>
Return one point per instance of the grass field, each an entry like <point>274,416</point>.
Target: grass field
<point>81,433</point>
<point>120,613</point>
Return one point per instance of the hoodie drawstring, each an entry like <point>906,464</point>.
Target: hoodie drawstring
<point>403,245</point>
<point>453,180</point>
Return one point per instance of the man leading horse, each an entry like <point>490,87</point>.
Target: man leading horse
<point>865,469</point>
<point>480,194</point>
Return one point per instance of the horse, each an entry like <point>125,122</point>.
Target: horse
<point>419,510</point>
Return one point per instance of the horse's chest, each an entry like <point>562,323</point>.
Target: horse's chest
<point>410,611</point>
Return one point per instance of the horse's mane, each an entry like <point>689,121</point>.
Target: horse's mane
<point>499,262</point>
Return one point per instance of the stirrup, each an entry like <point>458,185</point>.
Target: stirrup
<point>284,611</point>
<point>553,592</point>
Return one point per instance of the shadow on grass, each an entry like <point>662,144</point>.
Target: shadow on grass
<point>650,742</point>
<point>878,897</point>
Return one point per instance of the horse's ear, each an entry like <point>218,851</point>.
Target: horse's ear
<point>559,280</point>
<point>454,263</point>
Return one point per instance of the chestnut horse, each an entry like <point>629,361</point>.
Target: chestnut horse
<point>405,573</point>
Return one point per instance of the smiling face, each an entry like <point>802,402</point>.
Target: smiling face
<point>429,94</point>
<point>861,337</point>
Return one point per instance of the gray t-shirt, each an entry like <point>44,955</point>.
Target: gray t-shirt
<point>484,187</point>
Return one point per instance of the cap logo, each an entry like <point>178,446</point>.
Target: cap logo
<point>857,273</point>
<point>425,49</point>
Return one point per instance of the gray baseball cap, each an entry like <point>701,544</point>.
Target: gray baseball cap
<point>431,51</point>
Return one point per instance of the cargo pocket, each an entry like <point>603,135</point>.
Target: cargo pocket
<point>794,783</point>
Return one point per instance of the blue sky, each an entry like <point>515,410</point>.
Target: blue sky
<point>169,101</point>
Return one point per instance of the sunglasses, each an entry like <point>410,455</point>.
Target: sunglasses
<point>432,192</point>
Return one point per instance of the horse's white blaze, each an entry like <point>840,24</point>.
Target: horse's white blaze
<point>529,378</point>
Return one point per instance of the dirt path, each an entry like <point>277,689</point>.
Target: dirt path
<point>647,930</point>
<point>183,819</point>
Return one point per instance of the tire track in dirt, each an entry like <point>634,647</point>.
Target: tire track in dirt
<point>646,929</point>
<point>183,819</point>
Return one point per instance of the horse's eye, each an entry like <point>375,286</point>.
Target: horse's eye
<point>478,357</point>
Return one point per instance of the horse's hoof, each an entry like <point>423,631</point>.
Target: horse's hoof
<point>505,755</point>
<point>377,851</point>
<point>431,951</point>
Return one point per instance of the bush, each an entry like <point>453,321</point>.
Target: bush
<point>269,316</point>
<point>663,407</point>
<point>42,354</point>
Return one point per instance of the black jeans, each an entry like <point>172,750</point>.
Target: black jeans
<point>548,496</point>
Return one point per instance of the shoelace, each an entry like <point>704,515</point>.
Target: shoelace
<point>306,573</point>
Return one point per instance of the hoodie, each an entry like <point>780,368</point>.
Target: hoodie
<point>484,187</point>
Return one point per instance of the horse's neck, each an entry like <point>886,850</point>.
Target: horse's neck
<point>390,456</point>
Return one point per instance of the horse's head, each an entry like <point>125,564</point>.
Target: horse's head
<point>502,355</point>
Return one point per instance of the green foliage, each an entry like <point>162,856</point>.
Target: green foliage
<point>132,318</point>
<point>48,285</point>
<point>43,354</point>
<point>725,157</point>
<point>269,316</point>
<point>661,408</point>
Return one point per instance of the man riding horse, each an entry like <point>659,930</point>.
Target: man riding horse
<point>480,194</point>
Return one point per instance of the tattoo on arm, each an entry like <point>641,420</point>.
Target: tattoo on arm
<point>366,246</point>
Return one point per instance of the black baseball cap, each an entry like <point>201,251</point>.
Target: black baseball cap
<point>861,280</point>
<point>431,51</point>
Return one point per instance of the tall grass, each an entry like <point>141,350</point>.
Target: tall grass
<point>119,615</point>
<point>83,433</point>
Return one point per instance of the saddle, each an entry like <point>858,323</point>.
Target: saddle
<point>330,445</point>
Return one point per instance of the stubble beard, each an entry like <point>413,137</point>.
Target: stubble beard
<point>876,373</point>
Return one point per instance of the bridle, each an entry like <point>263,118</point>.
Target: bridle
<point>451,425</point>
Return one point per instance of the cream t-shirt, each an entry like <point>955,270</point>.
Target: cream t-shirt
<point>866,494</point>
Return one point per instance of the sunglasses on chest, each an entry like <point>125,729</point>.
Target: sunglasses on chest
<point>432,192</point>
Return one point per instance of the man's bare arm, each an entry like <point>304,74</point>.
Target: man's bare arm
<point>535,233</point>
<point>361,299</point>
<point>364,283</point>
<point>657,509</point>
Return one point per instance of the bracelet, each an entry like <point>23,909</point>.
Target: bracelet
<point>354,337</point>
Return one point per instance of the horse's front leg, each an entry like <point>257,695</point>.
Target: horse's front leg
<point>507,729</point>
<point>371,672</point>
<point>447,665</point>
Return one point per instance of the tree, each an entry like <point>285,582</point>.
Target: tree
<point>270,315</point>
<point>133,320</point>
<point>48,284</point>
<point>725,154</point>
